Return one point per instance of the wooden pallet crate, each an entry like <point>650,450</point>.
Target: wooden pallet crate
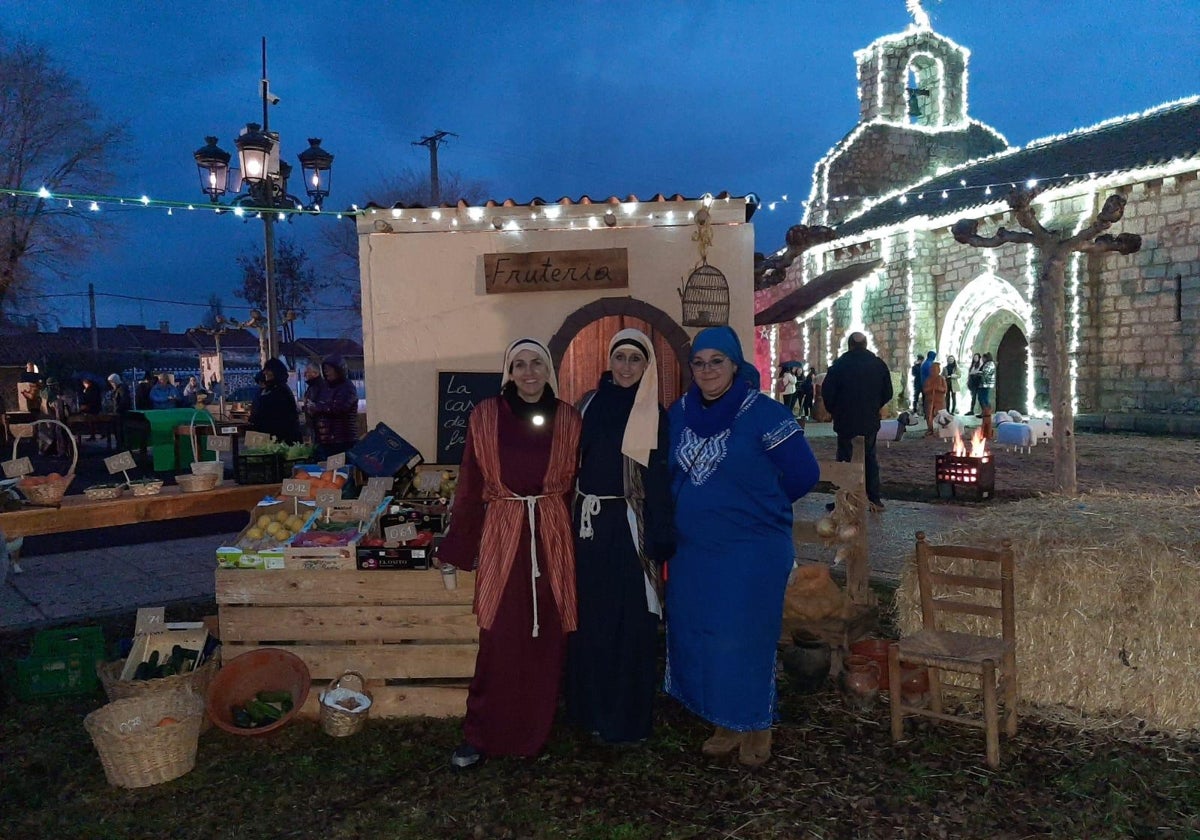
<point>414,640</point>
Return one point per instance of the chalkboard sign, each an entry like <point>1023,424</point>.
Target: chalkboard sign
<point>457,395</point>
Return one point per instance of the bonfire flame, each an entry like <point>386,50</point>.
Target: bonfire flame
<point>978,445</point>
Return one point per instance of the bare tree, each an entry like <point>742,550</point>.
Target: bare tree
<point>297,285</point>
<point>407,187</point>
<point>214,313</point>
<point>52,136</point>
<point>1050,300</point>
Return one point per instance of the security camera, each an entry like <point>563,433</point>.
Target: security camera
<point>272,98</point>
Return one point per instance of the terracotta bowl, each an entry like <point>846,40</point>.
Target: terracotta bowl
<point>262,669</point>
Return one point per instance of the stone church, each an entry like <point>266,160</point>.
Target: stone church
<point>875,252</point>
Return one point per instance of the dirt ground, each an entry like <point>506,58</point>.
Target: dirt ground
<point>1111,461</point>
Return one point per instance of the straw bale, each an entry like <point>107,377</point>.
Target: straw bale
<point>1107,614</point>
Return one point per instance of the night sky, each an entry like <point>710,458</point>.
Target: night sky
<point>547,99</point>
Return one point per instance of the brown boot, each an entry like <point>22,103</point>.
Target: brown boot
<point>755,748</point>
<point>723,742</point>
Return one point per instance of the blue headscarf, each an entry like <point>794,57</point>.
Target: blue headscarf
<point>725,340</point>
<point>707,421</point>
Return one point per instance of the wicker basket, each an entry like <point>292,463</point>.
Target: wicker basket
<point>340,722</point>
<point>51,492</point>
<point>196,482</point>
<point>118,689</point>
<point>216,468</point>
<point>135,749</point>
<point>146,488</point>
<point>104,492</point>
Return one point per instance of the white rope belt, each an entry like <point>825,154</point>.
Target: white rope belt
<point>531,514</point>
<point>589,508</point>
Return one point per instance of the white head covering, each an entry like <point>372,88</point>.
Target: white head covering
<point>537,347</point>
<point>641,429</point>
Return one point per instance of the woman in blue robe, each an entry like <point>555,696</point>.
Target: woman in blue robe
<point>623,532</point>
<point>738,461</point>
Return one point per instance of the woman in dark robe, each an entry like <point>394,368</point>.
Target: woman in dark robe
<point>515,481</point>
<point>623,526</point>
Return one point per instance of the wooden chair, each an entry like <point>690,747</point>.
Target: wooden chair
<point>948,590</point>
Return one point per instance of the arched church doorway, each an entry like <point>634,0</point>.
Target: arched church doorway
<point>580,347</point>
<point>1012,360</point>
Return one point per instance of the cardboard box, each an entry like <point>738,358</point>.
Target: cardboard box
<point>423,520</point>
<point>232,557</point>
<point>336,556</point>
<point>399,558</point>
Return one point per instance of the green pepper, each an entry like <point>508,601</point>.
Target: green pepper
<point>241,718</point>
<point>263,713</point>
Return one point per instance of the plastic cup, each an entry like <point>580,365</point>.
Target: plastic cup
<point>449,576</point>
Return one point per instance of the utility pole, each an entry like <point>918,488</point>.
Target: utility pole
<point>92,304</point>
<point>433,141</point>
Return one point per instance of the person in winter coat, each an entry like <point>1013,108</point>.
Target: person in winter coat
<point>987,382</point>
<point>141,395</point>
<point>935,396</point>
<point>274,409</point>
<point>973,378</point>
<point>313,382</point>
<point>807,390</point>
<point>916,383</point>
<point>786,382</point>
<point>334,410</point>
<point>950,372</point>
<point>190,390</point>
<point>90,398</point>
<point>164,394</point>
<point>857,386</point>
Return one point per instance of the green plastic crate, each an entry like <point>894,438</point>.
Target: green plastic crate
<point>62,663</point>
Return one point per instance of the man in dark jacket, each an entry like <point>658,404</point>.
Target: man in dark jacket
<point>334,410</point>
<point>856,387</point>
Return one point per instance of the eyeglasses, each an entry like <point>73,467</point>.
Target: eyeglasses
<point>714,364</point>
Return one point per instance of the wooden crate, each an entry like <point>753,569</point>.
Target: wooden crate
<point>414,640</point>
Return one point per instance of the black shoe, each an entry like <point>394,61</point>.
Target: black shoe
<point>877,506</point>
<point>465,756</point>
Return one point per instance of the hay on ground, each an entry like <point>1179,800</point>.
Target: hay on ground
<point>1107,603</point>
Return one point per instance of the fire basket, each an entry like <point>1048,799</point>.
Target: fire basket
<point>975,470</point>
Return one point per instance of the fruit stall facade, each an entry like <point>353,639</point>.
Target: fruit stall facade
<point>445,290</point>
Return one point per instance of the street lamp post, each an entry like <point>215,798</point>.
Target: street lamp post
<point>265,177</point>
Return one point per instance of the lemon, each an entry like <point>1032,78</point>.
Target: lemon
<point>254,534</point>
<point>282,516</point>
<point>273,528</point>
<point>265,520</point>
<point>295,523</point>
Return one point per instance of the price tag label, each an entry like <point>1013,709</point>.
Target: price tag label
<point>218,443</point>
<point>328,498</point>
<point>119,462</point>
<point>229,430</point>
<point>17,468</point>
<point>400,533</point>
<point>257,439</point>
<point>372,497</point>
<point>362,510</point>
<point>295,487</point>
<point>21,430</point>
<point>335,462</point>
<point>382,484</point>
<point>150,620</point>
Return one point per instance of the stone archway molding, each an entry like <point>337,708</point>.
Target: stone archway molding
<point>679,340</point>
<point>983,305</point>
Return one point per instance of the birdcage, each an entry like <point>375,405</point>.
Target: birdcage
<point>705,298</point>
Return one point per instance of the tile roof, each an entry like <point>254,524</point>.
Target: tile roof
<point>1158,136</point>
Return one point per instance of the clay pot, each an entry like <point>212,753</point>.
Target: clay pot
<point>877,651</point>
<point>861,681</point>
<point>807,663</point>
<point>914,687</point>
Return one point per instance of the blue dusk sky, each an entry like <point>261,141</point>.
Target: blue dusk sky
<point>546,98</point>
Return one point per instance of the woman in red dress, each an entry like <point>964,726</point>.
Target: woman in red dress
<point>515,483</point>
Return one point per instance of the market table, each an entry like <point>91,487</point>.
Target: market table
<point>158,427</point>
<point>79,513</point>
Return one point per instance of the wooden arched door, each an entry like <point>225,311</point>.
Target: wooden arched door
<point>1012,358</point>
<point>586,357</point>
